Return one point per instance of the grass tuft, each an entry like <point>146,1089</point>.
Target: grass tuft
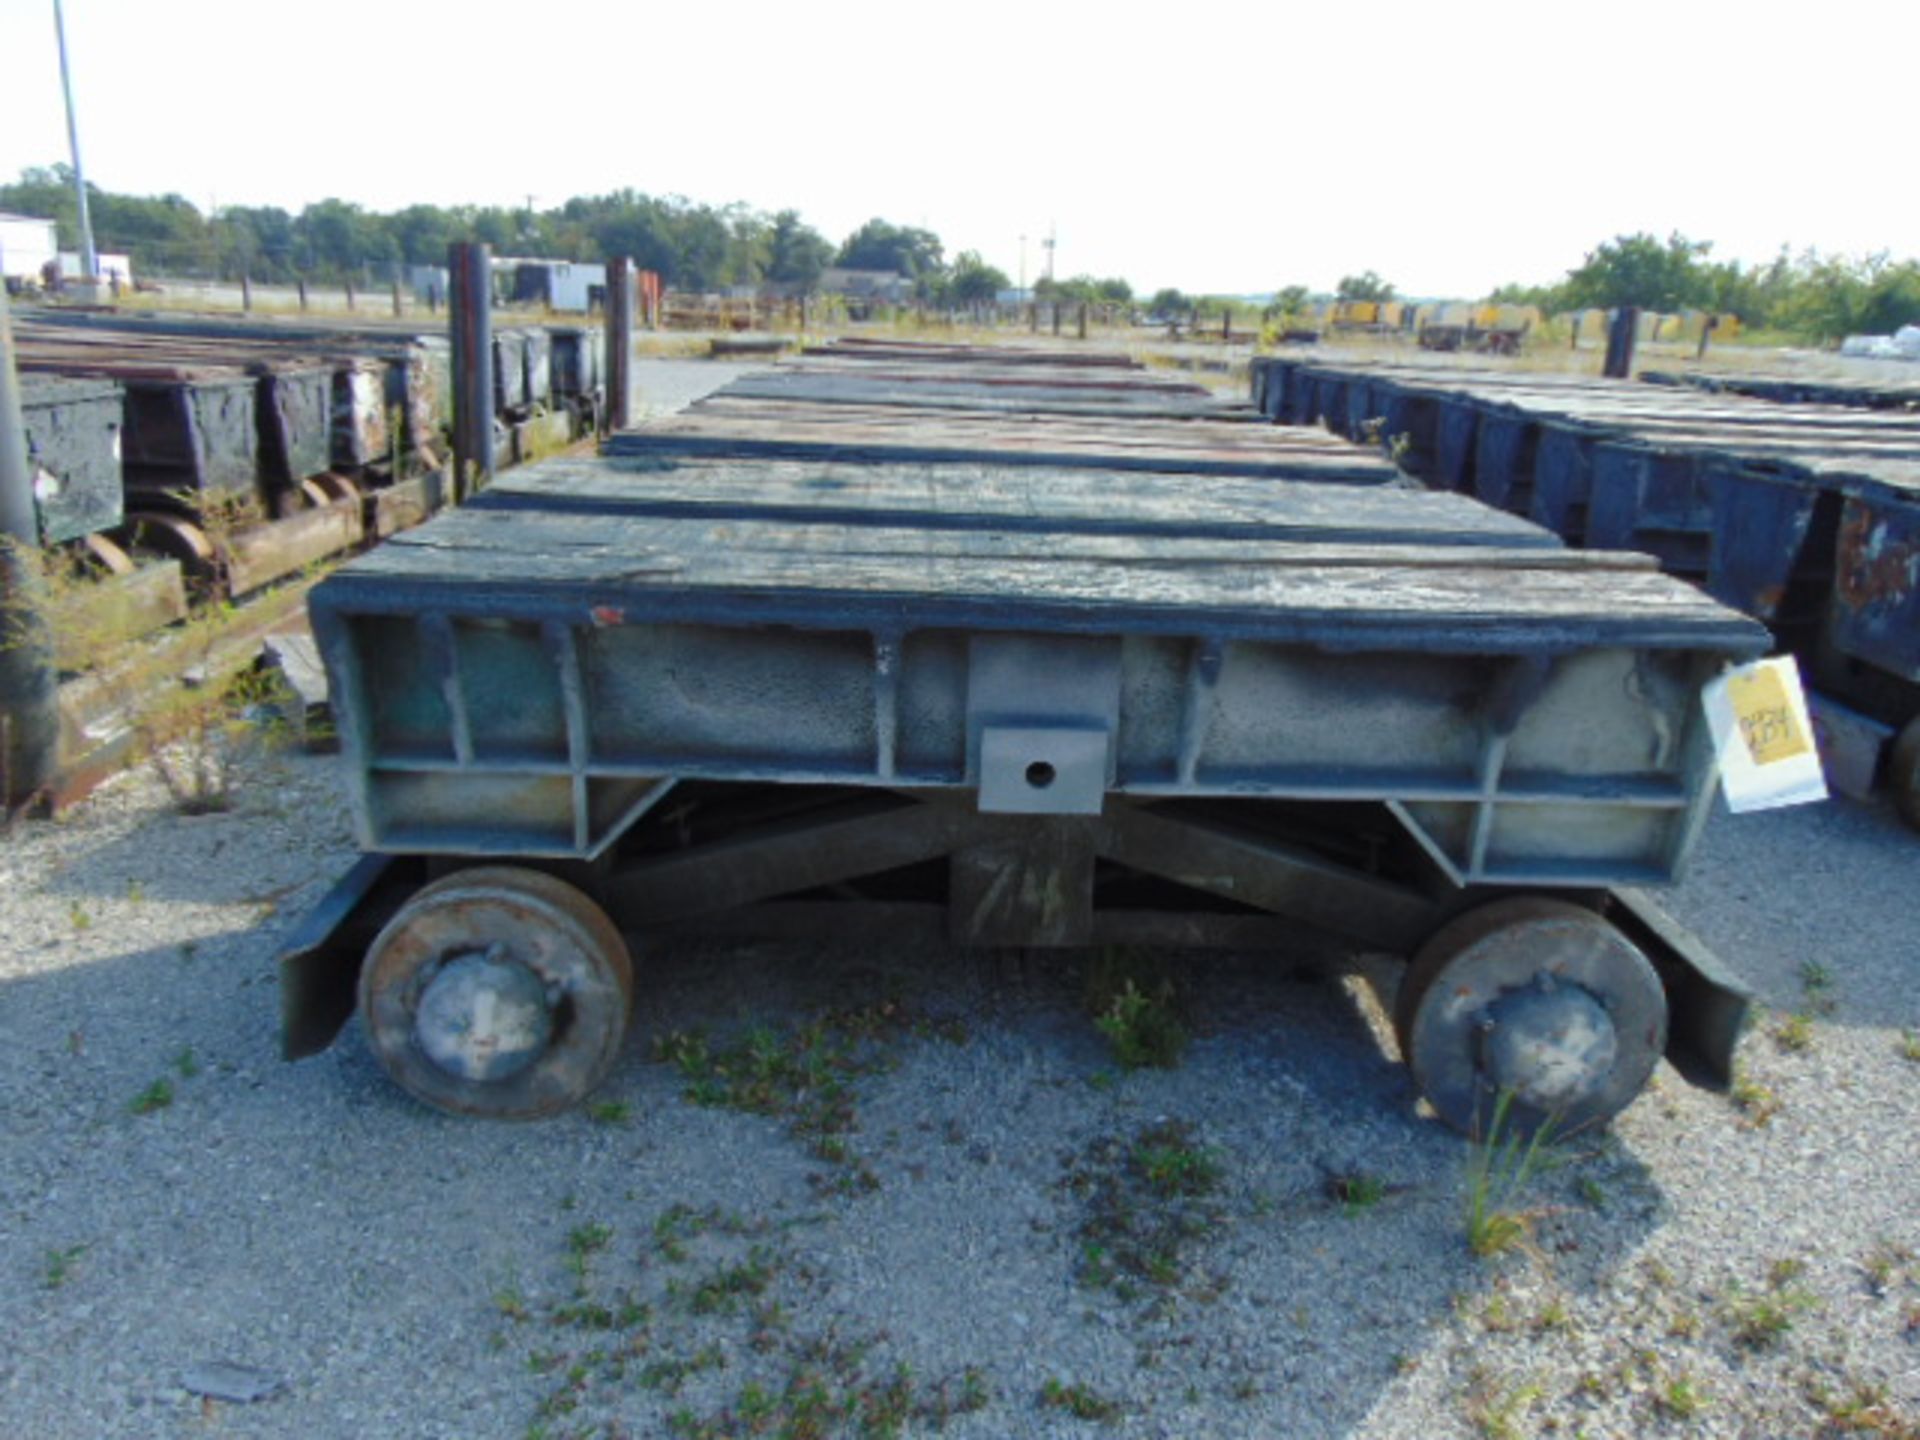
<point>1500,1166</point>
<point>157,1096</point>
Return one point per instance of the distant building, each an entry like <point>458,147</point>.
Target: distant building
<point>27,246</point>
<point>883,287</point>
<point>557,284</point>
<point>111,267</point>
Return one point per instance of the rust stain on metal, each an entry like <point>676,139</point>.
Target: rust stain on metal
<point>609,615</point>
<point>1874,569</point>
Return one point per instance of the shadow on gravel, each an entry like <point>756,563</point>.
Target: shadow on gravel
<point>987,1205</point>
<point>1817,898</point>
<point>878,1160</point>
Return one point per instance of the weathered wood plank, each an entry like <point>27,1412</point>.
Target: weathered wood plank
<point>628,569</point>
<point>981,496</point>
<point>265,553</point>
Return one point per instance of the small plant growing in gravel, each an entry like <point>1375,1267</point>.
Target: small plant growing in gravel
<point>60,1265</point>
<point>1757,1102</point>
<point>157,1096</point>
<point>1136,1008</point>
<point>610,1112</point>
<point>804,1075</point>
<point>1499,1411</point>
<point>1816,984</point>
<point>1356,1193</point>
<point>1910,1045</point>
<point>1500,1166</point>
<point>1081,1401</point>
<point>1759,1321</point>
<point>186,1063</point>
<point>1150,1201</point>
<point>1883,1264</point>
<point>77,913</point>
<point>727,1287</point>
<point>511,1303</point>
<point>1681,1398</point>
<point>1794,1032</point>
<point>583,1243</point>
<point>1785,1271</point>
<point>1865,1408</point>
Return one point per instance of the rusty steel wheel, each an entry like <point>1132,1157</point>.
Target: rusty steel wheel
<point>174,537</point>
<point>333,486</point>
<point>497,991</point>
<point>1537,998</point>
<point>1903,773</point>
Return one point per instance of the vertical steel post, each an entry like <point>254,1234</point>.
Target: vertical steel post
<point>620,287</point>
<point>470,318</point>
<point>246,292</point>
<point>1620,342</point>
<point>301,281</point>
<point>89,257</point>
<point>396,299</point>
<point>29,722</point>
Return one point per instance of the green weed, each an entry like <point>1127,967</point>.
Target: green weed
<point>1136,1008</point>
<point>1150,1202</point>
<point>1759,1321</point>
<point>1756,1101</point>
<point>1794,1032</point>
<point>804,1075</point>
<point>1500,1166</point>
<point>60,1264</point>
<point>1081,1401</point>
<point>1498,1411</point>
<point>1356,1193</point>
<point>157,1096</point>
<point>1681,1398</point>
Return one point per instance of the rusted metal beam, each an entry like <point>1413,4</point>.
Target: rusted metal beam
<point>470,318</point>
<point>620,343</point>
<point>29,726</point>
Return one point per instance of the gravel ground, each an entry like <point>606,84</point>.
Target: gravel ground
<point>991,1231</point>
<point>408,1274</point>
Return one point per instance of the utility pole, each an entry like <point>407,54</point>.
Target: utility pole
<point>89,258</point>
<point>1048,245</point>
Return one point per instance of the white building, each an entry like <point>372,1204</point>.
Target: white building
<point>27,244</point>
<point>112,267</point>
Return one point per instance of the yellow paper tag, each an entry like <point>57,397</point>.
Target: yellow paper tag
<point>1767,722</point>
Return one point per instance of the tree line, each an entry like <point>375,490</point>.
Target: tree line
<point>694,246</point>
<point>1812,296</point>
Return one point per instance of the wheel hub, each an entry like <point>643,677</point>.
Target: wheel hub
<point>484,1017</point>
<point>1552,1045</point>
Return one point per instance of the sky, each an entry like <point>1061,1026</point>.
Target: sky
<point>1217,148</point>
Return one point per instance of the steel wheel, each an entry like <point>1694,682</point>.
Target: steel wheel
<point>497,991</point>
<point>1903,773</point>
<point>1536,997</point>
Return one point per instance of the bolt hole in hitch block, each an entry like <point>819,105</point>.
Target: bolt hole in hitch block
<point>1041,714</point>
